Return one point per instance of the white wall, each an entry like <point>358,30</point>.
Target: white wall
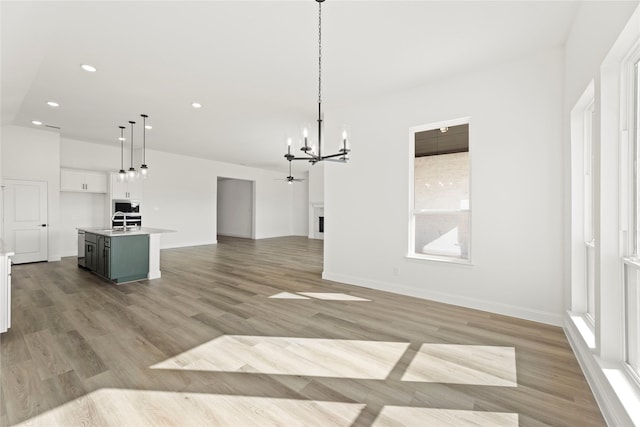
<point>300,206</point>
<point>316,195</point>
<point>1,196</point>
<point>515,112</point>
<point>235,208</point>
<point>588,42</point>
<point>33,154</point>
<point>180,193</point>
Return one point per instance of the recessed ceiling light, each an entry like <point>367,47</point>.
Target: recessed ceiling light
<point>36,122</point>
<point>148,127</point>
<point>52,104</point>
<point>196,105</point>
<point>89,68</point>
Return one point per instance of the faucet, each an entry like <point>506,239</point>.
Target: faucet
<point>124,219</point>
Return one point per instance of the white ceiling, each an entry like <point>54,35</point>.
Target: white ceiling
<point>252,64</point>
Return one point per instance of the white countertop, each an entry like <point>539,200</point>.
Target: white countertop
<point>116,233</point>
<point>4,250</point>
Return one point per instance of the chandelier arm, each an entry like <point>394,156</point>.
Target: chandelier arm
<point>290,157</point>
<point>311,156</point>
<point>308,159</point>
<point>331,156</point>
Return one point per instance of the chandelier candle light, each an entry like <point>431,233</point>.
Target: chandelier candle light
<point>313,153</point>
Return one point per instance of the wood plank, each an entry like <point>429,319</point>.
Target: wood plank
<point>86,352</point>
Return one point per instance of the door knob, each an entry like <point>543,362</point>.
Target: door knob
<point>44,225</point>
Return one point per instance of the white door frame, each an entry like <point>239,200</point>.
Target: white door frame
<point>27,236</point>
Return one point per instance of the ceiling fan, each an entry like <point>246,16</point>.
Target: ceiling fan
<point>290,178</point>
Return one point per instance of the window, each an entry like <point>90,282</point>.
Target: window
<point>632,318</point>
<point>589,234</point>
<point>441,215</point>
<point>583,209</point>
<point>634,124</point>
<point>632,269</point>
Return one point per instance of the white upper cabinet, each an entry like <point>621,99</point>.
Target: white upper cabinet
<point>83,181</point>
<point>125,190</point>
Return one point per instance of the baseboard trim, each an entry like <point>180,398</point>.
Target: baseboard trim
<point>188,245</point>
<point>474,303</point>
<point>242,236</point>
<point>592,367</point>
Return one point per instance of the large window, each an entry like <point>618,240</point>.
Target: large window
<point>632,266</point>
<point>589,233</point>
<point>632,318</point>
<point>441,214</point>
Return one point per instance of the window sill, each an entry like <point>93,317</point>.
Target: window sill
<point>632,262</point>
<point>585,329</point>
<point>436,258</point>
<point>613,385</point>
<point>625,388</point>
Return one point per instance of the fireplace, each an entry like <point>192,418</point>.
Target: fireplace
<point>316,221</point>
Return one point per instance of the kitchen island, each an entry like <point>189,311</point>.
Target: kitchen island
<point>123,256</point>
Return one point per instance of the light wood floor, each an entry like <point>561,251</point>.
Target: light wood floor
<point>247,333</point>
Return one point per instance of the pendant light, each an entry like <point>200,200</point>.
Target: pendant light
<point>131,175</point>
<point>313,153</point>
<point>122,175</point>
<point>144,169</point>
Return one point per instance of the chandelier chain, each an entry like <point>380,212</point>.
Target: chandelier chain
<point>319,52</point>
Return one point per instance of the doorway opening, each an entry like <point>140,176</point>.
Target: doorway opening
<point>235,208</point>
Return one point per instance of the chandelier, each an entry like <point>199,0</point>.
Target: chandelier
<point>313,154</point>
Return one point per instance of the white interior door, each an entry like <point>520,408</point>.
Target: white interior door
<point>25,216</point>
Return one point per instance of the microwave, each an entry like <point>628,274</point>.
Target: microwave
<point>128,214</point>
<point>126,206</point>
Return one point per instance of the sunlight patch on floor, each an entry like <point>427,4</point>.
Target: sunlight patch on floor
<point>432,417</point>
<point>135,408</point>
<point>327,296</point>
<point>288,295</point>
<point>333,296</point>
<point>291,356</point>
<point>463,364</point>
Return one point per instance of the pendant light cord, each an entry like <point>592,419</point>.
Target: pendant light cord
<point>144,139</point>
<point>132,123</point>
<point>121,148</point>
